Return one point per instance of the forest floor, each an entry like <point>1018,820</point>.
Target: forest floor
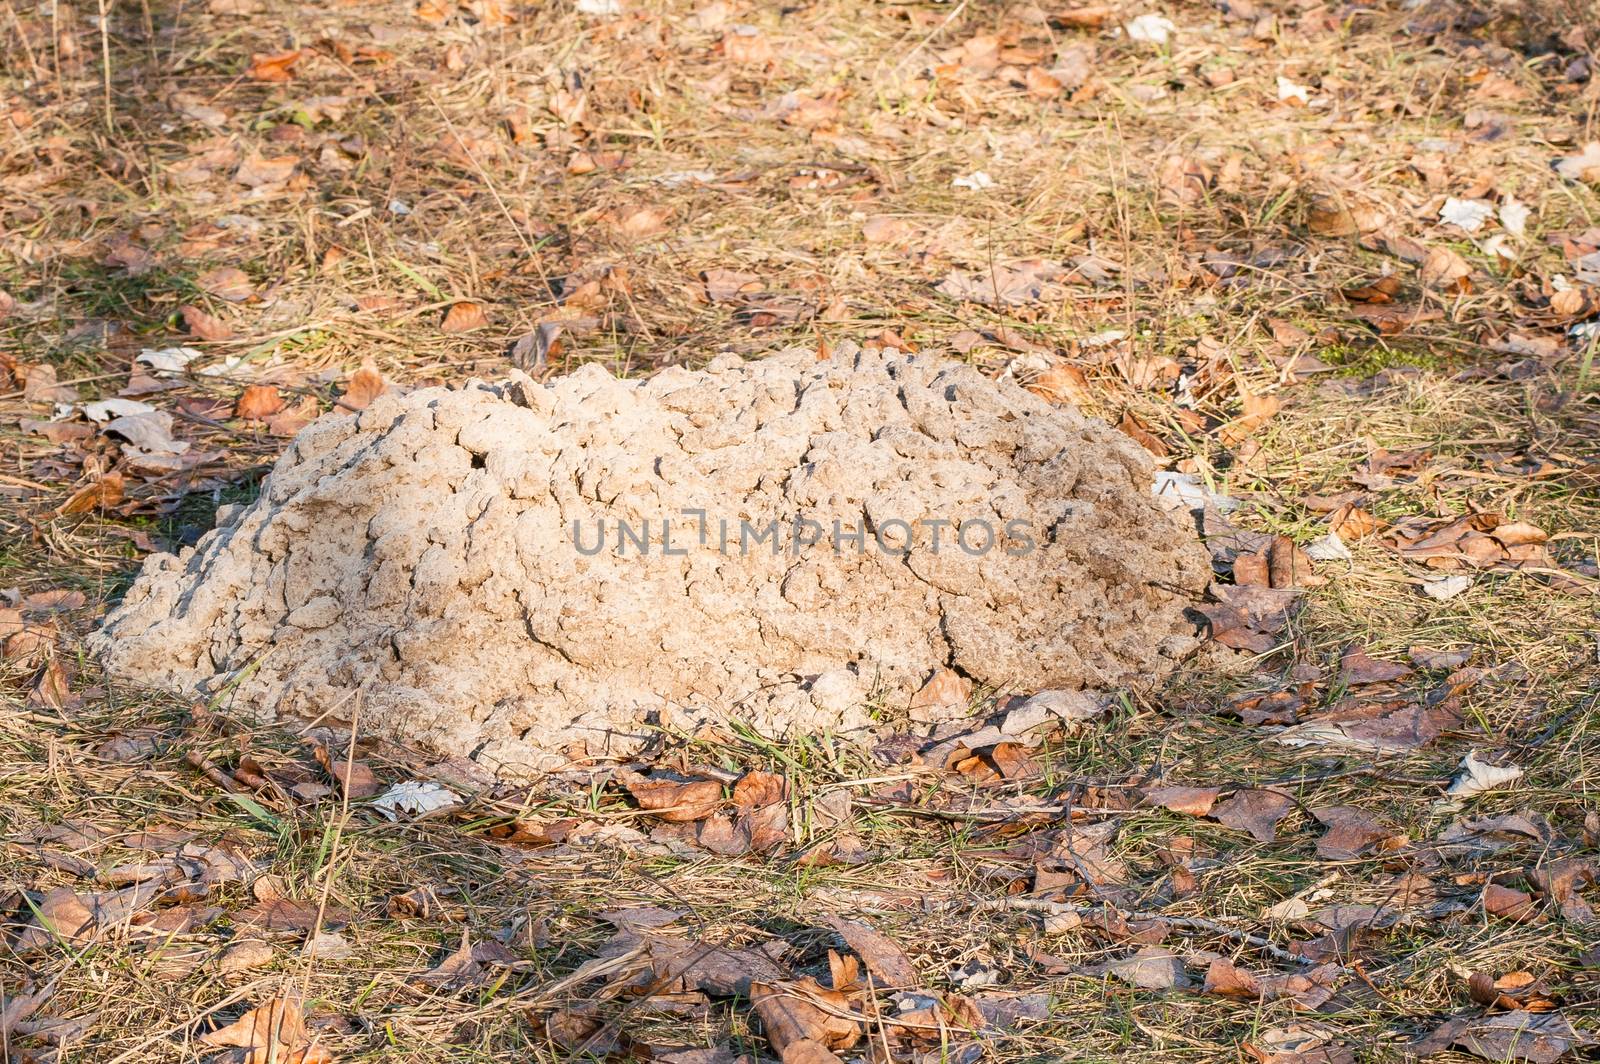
<point>1339,265</point>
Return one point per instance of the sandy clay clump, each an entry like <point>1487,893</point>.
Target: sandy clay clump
<point>522,573</point>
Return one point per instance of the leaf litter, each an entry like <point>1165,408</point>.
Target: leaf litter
<point>1320,783</point>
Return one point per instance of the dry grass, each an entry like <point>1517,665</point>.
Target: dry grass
<point>513,198</point>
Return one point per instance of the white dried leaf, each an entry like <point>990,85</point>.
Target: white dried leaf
<point>1514,216</point>
<point>1184,491</point>
<point>109,409</point>
<point>1585,166</point>
<point>415,799</point>
<point>167,359</point>
<point>328,946</point>
<point>1329,548</point>
<point>976,181</point>
<point>1051,707</point>
<point>599,7</point>
<point>1288,90</point>
<point>1150,29</point>
<point>1468,215</point>
<point>1446,587</point>
<point>150,432</point>
<point>1287,909</point>
<point>226,368</point>
<point>1500,246</point>
<point>1478,776</point>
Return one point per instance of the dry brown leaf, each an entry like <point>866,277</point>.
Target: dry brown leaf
<point>756,789</point>
<point>464,317</point>
<point>1540,1038</point>
<point>724,285</point>
<point>1562,880</point>
<point>51,689</point>
<point>469,967</point>
<point>1226,980</point>
<point>1063,384</point>
<point>1444,268</point>
<point>888,963</point>
<point>1352,523</point>
<point>1510,904</point>
<point>1254,811</point>
<point>226,282</point>
<point>366,384</point>
<point>1091,16</point>
<point>673,800</point>
<point>1357,667</point>
<point>1191,801</point>
<point>945,689</point>
<point>258,402</point>
<point>1351,832</point>
<point>809,1051</point>
<point>244,955</point>
<point>102,494</point>
<point>275,68</point>
<point>61,916</point>
<point>748,48</point>
<point>1258,410</point>
<point>291,914</point>
<point>257,171</point>
<point>354,776</point>
<point>1135,430</point>
<point>274,1033</point>
<point>1382,290</point>
<point>885,229</point>
<point>294,418</point>
<point>205,326</point>
<point>639,221</point>
<point>790,1013</point>
<point>1288,567</point>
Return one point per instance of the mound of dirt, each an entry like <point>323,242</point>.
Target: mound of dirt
<point>515,572</point>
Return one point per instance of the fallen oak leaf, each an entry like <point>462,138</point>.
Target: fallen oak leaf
<point>1224,979</point>
<point>20,1006</point>
<point>673,800</point>
<point>60,916</point>
<point>468,968</point>
<point>722,285</point>
<point>1561,880</point>
<point>366,384</point>
<point>226,282</point>
<point>717,970</point>
<point>291,914</point>
<point>354,776</point>
<point>887,962</point>
<point>1383,726</point>
<point>1541,1038</point>
<point>1356,666</point>
<point>1351,832</point>
<point>258,402</point>
<point>274,1033</point>
<point>790,1014</point>
<point>1152,968</point>
<point>1511,904</point>
<point>277,67</point>
<point>100,495</point>
<point>1255,811</point>
<point>464,317</point>
<point>257,171</point>
<point>205,326</point>
<point>1191,801</point>
<point>1307,990</point>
